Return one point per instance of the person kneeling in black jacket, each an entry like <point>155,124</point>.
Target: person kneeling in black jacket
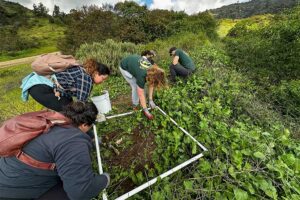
<point>69,148</point>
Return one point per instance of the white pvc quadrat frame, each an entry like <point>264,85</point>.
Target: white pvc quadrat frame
<point>154,180</point>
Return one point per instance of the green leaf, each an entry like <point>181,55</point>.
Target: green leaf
<point>268,188</point>
<point>188,185</point>
<point>140,177</point>
<point>250,188</point>
<point>231,172</point>
<point>246,152</point>
<point>204,166</point>
<point>259,155</point>
<point>238,159</point>
<point>289,159</point>
<point>158,196</point>
<point>240,194</point>
<point>295,197</point>
<point>224,150</point>
<point>266,134</point>
<point>194,149</point>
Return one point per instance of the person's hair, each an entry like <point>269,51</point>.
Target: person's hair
<point>92,66</point>
<point>147,52</point>
<point>172,49</point>
<point>156,77</point>
<point>81,112</point>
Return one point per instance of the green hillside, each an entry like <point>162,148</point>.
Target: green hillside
<point>242,103</point>
<point>24,34</point>
<point>13,13</point>
<point>253,7</point>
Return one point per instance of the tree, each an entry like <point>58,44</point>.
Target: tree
<point>129,22</point>
<point>40,10</point>
<point>88,25</point>
<point>132,19</point>
<point>56,11</point>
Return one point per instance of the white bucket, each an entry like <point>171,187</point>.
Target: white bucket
<point>102,102</point>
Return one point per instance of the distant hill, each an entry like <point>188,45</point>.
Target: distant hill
<point>13,13</point>
<point>254,7</point>
<point>23,33</point>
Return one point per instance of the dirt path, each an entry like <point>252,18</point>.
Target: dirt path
<point>18,61</point>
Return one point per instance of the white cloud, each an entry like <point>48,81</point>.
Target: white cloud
<point>65,5</point>
<point>190,6</point>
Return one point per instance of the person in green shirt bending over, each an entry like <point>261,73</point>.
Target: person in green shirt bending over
<point>138,71</point>
<point>182,65</point>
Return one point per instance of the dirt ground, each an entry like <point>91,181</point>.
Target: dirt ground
<point>19,61</point>
<point>137,153</point>
<point>122,103</point>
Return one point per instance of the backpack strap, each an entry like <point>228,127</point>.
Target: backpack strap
<point>25,158</point>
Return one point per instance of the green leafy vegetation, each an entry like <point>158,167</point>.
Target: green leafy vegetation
<point>130,22</point>
<point>267,50</point>
<point>108,52</point>
<point>250,156</point>
<point>242,103</point>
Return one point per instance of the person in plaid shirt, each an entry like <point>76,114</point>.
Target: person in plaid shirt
<point>76,81</point>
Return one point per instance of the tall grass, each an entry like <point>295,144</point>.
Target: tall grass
<point>11,103</point>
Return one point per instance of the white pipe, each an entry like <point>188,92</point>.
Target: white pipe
<point>104,195</point>
<point>123,114</point>
<point>119,115</point>
<point>183,130</point>
<point>164,175</point>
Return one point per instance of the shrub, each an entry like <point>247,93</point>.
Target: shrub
<point>286,97</point>
<point>268,50</point>
<point>11,41</point>
<point>130,22</point>
<point>108,52</point>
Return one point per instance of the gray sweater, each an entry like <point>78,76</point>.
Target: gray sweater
<point>69,149</point>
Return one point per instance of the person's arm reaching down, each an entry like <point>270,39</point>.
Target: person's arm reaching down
<point>151,91</point>
<point>141,94</point>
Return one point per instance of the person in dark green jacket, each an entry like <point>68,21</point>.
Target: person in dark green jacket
<point>138,71</point>
<point>182,64</point>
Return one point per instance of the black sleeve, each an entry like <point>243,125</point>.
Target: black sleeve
<point>74,167</point>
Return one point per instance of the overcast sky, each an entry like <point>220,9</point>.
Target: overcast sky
<point>189,6</point>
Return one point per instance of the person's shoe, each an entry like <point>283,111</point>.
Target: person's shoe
<point>135,107</point>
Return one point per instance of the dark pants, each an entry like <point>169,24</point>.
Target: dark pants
<point>179,70</point>
<point>44,95</point>
<point>57,193</point>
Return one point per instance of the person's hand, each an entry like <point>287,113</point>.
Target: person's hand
<point>147,114</point>
<point>152,104</point>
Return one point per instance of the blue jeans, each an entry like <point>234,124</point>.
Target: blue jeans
<point>132,82</point>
